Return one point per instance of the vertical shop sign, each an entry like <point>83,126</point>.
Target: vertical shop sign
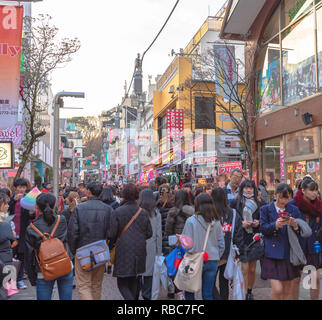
<point>282,164</point>
<point>10,63</point>
<point>174,124</point>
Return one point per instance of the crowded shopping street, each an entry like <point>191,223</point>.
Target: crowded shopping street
<point>161,152</point>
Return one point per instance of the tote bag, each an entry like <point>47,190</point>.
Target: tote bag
<point>189,276</point>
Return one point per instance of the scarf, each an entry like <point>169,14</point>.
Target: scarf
<point>249,208</point>
<point>312,208</point>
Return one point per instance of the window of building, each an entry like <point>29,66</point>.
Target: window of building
<point>272,161</point>
<point>268,91</point>
<point>293,9</point>
<point>302,143</point>
<point>319,44</point>
<point>298,54</point>
<point>205,115</point>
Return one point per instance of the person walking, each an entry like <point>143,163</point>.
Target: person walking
<point>274,220</point>
<point>154,244</point>
<point>178,215</point>
<point>107,196</point>
<point>72,200</point>
<point>232,187</point>
<point>307,201</point>
<point>22,219</point>
<point>45,223</point>
<point>164,204</point>
<point>196,228</point>
<point>130,244</point>
<point>89,222</point>
<point>226,219</point>
<point>264,193</point>
<point>247,205</point>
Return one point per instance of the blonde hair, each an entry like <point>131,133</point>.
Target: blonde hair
<point>70,200</point>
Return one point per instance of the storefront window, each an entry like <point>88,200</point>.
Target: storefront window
<point>302,143</point>
<point>268,91</point>
<point>297,170</point>
<point>272,162</point>
<point>298,54</point>
<point>319,44</point>
<point>272,27</point>
<point>293,9</point>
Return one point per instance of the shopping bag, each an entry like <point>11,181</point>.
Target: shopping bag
<point>160,279</point>
<point>238,283</point>
<point>173,260</point>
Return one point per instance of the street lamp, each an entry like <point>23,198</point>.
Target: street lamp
<point>58,102</point>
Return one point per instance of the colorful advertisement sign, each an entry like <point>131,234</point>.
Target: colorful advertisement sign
<point>282,164</point>
<point>13,134</point>
<point>226,167</point>
<point>225,70</point>
<point>6,155</point>
<point>205,160</point>
<point>174,124</point>
<point>10,54</point>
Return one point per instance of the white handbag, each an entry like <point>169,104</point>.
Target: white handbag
<point>230,266</point>
<point>189,275</point>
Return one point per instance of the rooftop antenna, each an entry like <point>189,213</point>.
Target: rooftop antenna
<point>208,10</point>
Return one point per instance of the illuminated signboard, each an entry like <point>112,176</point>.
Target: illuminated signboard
<point>6,155</point>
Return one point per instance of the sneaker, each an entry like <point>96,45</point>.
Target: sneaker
<point>21,285</point>
<point>249,296</point>
<point>180,295</point>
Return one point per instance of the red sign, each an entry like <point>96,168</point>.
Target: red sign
<point>174,124</point>
<point>226,167</point>
<point>195,144</point>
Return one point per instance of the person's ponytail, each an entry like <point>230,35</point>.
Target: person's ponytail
<point>46,203</point>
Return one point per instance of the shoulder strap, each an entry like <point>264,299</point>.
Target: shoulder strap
<point>129,224</point>
<point>233,226</point>
<point>55,227</point>
<point>38,231</point>
<point>206,239</point>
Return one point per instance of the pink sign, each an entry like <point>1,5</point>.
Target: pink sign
<point>282,163</point>
<point>13,134</point>
<point>226,167</point>
<point>204,160</point>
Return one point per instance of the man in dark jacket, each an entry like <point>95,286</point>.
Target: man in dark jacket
<point>90,222</point>
<point>21,220</point>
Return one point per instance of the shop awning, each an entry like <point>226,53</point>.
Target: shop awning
<point>240,16</point>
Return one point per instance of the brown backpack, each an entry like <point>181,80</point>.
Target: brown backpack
<point>53,258</point>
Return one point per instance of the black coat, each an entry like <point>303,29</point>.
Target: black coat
<point>67,214</point>
<point>89,222</point>
<point>130,251</point>
<point>33,241</point>
<point>6,237</point>
<point>165,242</point>
<point>25,220</point>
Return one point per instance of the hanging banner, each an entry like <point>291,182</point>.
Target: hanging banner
<point>226,167</point>
<point>174,124</point>
<point>10,54</point>
<point>282,164</point>
<point>13,134</point>
<point>225,70</point>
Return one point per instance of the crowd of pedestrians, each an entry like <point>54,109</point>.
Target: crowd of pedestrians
<point>139,223</point>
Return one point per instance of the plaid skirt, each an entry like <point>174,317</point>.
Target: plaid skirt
<point>281,270</point>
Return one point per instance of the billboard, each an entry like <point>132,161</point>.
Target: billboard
<point>174,124</point>
<point>11,18</point>
<point>6,155</point>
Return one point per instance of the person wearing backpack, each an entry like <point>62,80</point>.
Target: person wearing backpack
<point>39,268</point>
<point>89,223</point>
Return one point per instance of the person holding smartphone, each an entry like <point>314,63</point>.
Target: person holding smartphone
<point>274,219</point>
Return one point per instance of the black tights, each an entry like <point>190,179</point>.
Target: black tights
<point>129,288</point>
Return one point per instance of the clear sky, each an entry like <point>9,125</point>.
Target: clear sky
<point>111,34</point>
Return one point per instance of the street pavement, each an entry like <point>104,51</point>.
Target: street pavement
<point>261,290</point>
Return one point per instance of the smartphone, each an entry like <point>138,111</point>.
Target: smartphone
<point>285,215</point>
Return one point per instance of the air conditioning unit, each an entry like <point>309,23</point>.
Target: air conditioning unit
<point>171,89</point>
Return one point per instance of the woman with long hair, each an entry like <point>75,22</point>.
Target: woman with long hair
<point>178,215</point>
<point>247,205</point>
<point>226,219</point>
<point>196,228</point>
<point>45,222</point>
<point>154,244</point>
<point>107,196</point>
<point>308,202</point>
